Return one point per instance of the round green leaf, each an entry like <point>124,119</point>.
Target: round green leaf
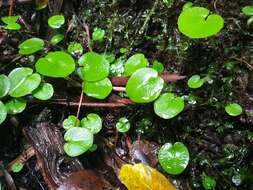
<point>208,182</point>
<point>233,109</point>
<point>31,46</point>
<point>134,63</point>
<point>74,149</point>
<point>15,106</point>
<point>173,158</point>
<point>56,21</point>
<point>13,26</point>
<point>98,34</point>
<point>94,67</point>
<point>3,112</point>
<point>17,167</point>
<point>75,48</point>
<point>80,140</point>
<point>71,121</point>
<point>195,82</point>
<point>248,10</point>
<point>23,81</point>
<point>44,92</point>
<point>123,125</point>
<point>5,85</point>
<point>57,38</point>
<point>197,22</point>
<point>79,134</point>
<point>56,64</point>
<point>144,85</point>
<point>168,106</point>
<point>158,66</point>
<point>187,5</point>
<point>100,89</point>
<point>92,122</point>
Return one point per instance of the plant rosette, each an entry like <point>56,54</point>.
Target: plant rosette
<point>197,22</point>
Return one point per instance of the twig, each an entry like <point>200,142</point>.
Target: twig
<point>11,7</point>
<point>79,104</point>
<point>152,11</point>
<point>22,158</point>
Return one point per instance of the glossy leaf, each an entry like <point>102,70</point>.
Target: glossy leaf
<point>98,34</point>
<point>158,66</point>
<point>17,167</point>
<point>10,19</point>
<point>195,82</point>
<point>134,63</point>
<point>79,140</point>
<point>248,10</point>
<point>233,109</point>
<point>3,112</point>
<point>56,64</point>
<point>71,121</point>
<point>23,81</point>
<point>144,85</point>
<point>15,106</point>
<point>13,26</point>
<point>100,89</point>
<point>31,46</point>
<point>44,92</point>
<point>57,39</point>
<point>168,105</point>
<point>94,67</point>
<point>5,85</point>
<point>173,158</point>
<point>197,22</point>
<point>74,149</point>
<point>56,21</point>
<point>11,22</point>
<point>75,48</point>
<point>123,125</point>
<point>143,177</point>
<point>92,122</point>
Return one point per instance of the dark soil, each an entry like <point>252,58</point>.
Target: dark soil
<point>219,145</point>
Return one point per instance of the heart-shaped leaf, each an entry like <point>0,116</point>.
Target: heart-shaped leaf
<point>57,39</point>
<point>144,85</point>
<point>168,106</point>
<point>123,125</point>
<point>94,67</point>
<point>44,92</point>
<point>71,121</point>
<point>92,122</point>
<point>56,64</point>
<point>56,21</point>
<point>134,63</point>
<point>197,22</point>
<point>98,34</point>
<point>23,81</point>
<point>5,85</point>
<point>100,89</point>
<point>79,141</point>
<point>233,109</point>
<point>174,158</point>
<point>3,112</point>
<point>74,149</point>
<point>15,106</point>
<point>30,46</point>
<point>75,48</point>
<point>195,82</point>
<point>11,22</point>
<point>248,10</point>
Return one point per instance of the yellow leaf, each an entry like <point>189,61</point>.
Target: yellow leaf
<point>41,4</point>
<point>143,177</point>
